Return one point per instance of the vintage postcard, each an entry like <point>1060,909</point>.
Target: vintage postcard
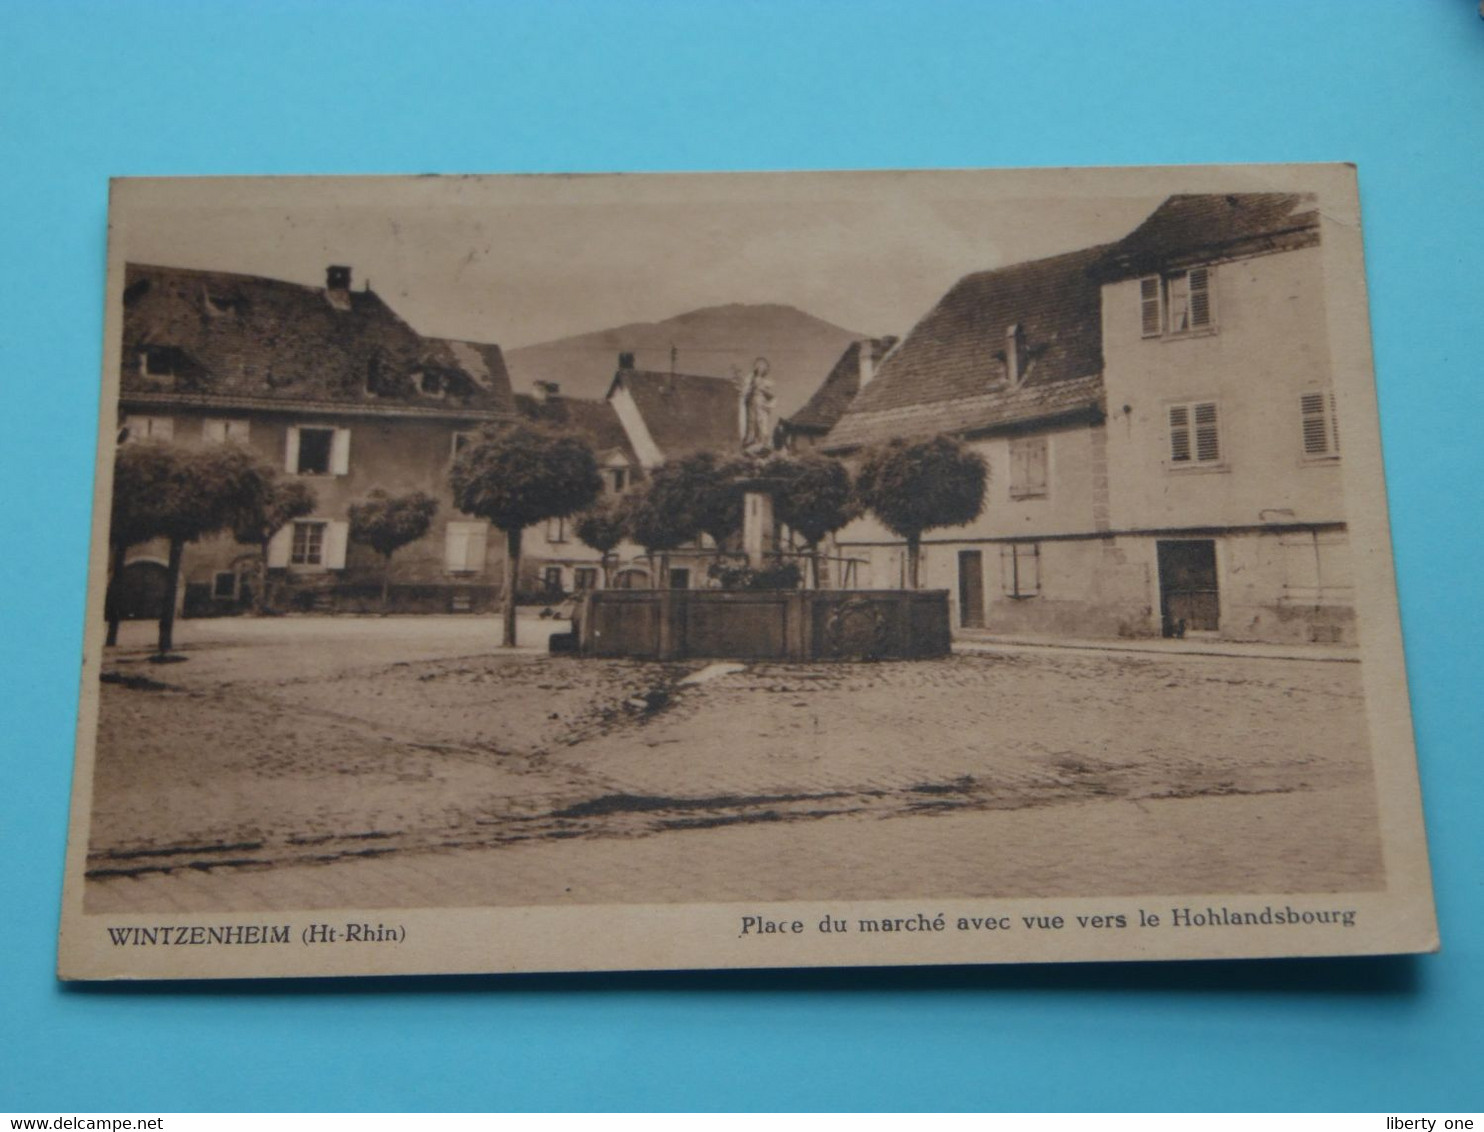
<point>499,574</point>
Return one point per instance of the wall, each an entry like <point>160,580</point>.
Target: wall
<point>1270,336</point>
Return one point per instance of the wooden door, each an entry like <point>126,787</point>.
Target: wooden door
<point>971,589</point>
<point>1188,595</point>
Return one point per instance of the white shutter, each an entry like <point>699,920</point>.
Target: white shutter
<point>1321,433</point>
<point>1035,467</point>
<point>337,535</point>
<point>455,548</point>
<point>279,546</point>
<point>1007,568</point>
<point>1202,298</point>
<point>1027,569</point>
<point>476,547</point>
<point>240,431</point>
<point>291,451</point>
<point>213,431</point>
<point>1149,313</point>
<point>340,452</point>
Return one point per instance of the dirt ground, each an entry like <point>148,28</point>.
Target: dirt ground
<point>403,762</point>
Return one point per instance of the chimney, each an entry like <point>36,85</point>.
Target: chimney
<point>872,351</point>
<point>1015,353</point>
<point>626,361</point>
<point>337,286</point>
<point>547,391</point>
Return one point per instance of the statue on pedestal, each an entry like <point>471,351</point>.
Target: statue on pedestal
<point>758,408</point>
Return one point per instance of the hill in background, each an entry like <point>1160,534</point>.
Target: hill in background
<point>714,341</point>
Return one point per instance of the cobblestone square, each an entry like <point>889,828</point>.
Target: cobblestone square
<point>398,762</point>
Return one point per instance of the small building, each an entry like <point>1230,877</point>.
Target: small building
<point>331,386</point>
<point>1158,419</point>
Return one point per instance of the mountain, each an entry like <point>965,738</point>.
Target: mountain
<point>712,341</point>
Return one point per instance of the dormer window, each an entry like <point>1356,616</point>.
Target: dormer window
<point>431,384</point>
<point>158,363</point>
<point>1178,303</point>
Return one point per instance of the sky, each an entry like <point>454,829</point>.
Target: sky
<point>520,260</point>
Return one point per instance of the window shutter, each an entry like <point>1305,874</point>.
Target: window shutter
<point>337,534</point>
<point>340,452</point>
<point>456,548</point>
<point>1007,568</point>
<point>1334,425</point>
<point>240,431</point>
<point>1207,439</point>
<point>1028,568</point>
<point>279,545</point>
<point>1035,480</point>
<point>291,450</point>
<point>474,554</point>
<point>1200,298</point>
<point>213,431</point>
<point>162,428</point>
<point>1149,320</point>
<point>1316,424</point>
<point>1179,434</point>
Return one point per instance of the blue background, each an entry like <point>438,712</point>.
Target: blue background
<point>93,90</point>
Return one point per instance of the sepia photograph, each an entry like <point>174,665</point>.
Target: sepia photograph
<point>725,570</point>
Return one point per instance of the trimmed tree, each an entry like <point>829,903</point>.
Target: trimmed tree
<point>387,523</point>
<point>601,527</point>
<point>917,486</point>
<point>518,475</point>
<point>816,499</point>
<point>712,485</point>
<point>283,501</point>
<point>182,494</point>
<point>662,516</point>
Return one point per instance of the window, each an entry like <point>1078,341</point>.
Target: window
<point>551,579</point>
<point>619,478</point>
<point>224,585</point>
<point>431,384</point>
<point>157,363</point>
<point>461,440</point>
<point>1180,302</point>
<point>464,547</point>
<point>1028,467</point>
<point>1321,430</point>
<point>556,529</point>
<point>146,428</point>
<point>308,548</point>
<point>216,431</point>
<point>318,451</point>
<point>585,578</point>
<point>1317,568</point>
<point>1020,569</point>
<point>1195,437</point>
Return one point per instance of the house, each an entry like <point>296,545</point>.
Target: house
<point>670,415</point>
<point>331,386</point>
<point>856,366</point>
<point>1159,424</point>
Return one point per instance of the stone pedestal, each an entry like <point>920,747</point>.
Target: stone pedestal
<point>759,531</point>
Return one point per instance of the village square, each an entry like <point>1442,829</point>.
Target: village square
<point>1047,593</point>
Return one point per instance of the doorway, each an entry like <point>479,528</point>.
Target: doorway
<point>971,589</point>
<point>1188,597</point>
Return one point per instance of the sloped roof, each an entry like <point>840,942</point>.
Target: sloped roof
<point>950,374</point>
<point>838,389</point>
<point>249,338</point>
<point>685,412</point>
<point>595,421</point>
<point>1189,227</point>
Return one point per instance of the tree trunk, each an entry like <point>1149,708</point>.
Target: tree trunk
<point>814,565</point>
<point>914,552</point>
<point>606,565</point>
<point>512,576</point>
<point>663,582</point>
<point>172,584</point>
<point>110,599</point>
<point>386,583</point>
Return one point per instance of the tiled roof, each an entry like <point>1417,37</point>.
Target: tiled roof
<point>245,337</point>
<point>950,374</point>
<point>685,412</point>
<point>1190,227</point>
<point>838,389</point>
<point>595,421</point>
